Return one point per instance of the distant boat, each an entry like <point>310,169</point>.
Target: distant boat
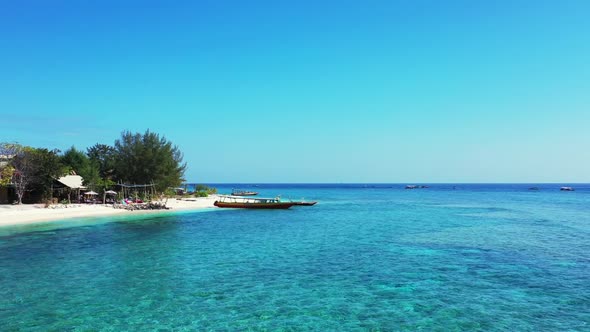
<point>566,189</point>
<point>240,192</point>
<point>412,186</point>
<point>303,203</point>
<point>534,188</point>
<point>251,203</point>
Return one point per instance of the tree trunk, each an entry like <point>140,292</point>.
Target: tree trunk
<point>20,188</point>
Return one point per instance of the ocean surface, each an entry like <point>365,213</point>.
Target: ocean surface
<point>366,258</point>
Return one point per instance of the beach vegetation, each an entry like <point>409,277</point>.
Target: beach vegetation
<point>95,166</point>
<point>79,163</point>
<point>148,158</point>
<point>169,192</point>
<point>32,169</point>
<point>6,173</point>
<point>21,165</point>
<point>103,156</point>
<point>47,168</point>
<point>202,190</point>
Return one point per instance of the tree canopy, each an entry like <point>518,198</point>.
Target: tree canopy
<point>104,156</point>
<point>146,158</point>
<point>30,169</point>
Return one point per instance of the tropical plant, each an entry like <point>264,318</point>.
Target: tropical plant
<point>48,168</point>
<point>79,162</point>
<point>6,173</point>
<point>104,157</point>
<point>148,158</point>
<point>31,169</point>
<point>7,151</point>
<point>202,190</point>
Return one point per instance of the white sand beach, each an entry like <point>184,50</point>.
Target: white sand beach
<point>34,213</point>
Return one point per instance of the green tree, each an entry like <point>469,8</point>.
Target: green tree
<point>104,156</point>
<point>32,169</point>
<point>74,159</point>
<point>79,162</point>
<point>23,173</point>
<point>48,168</point>
<point>7,151</point>
<point>146,158</point>
<point>6,173</point>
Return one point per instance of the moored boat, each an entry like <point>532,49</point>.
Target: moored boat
<point>251,203</point>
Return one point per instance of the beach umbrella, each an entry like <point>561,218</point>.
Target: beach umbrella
<point>110,192</point>
<point>91,193</point>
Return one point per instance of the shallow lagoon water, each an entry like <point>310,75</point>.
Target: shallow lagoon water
<point>375,258</point>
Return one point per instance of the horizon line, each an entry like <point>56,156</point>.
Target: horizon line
<point>400,183</point>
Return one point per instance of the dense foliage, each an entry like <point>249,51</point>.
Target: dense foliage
<point>79,163</point>
<point>135,158</point>
<point>148,158</point>
<point>6,173</point>
<point>47,167</point>
<point>202,190</point>
<point>103,156</point>
<point>30,169</point>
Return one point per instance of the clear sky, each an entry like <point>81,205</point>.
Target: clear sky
<point>310,91</point>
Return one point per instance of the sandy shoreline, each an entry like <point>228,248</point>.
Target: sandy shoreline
<point>37,213</point>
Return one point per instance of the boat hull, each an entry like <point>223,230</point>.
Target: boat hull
<point>241,205</point>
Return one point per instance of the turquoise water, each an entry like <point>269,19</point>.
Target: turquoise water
<point>375,258</point>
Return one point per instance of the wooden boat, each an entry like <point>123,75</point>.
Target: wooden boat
<point>240,192</point>
<point>251,203</point>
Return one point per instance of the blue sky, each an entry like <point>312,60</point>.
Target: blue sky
<point>310,91</point>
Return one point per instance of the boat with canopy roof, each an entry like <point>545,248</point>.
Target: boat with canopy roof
<point>237,202</point>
